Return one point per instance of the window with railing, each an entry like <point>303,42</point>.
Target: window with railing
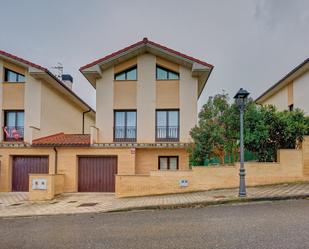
<point>125,126</point>
<point>167,125</point>
<point>13,125</point>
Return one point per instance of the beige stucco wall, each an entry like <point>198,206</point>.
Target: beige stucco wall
<point>125,94</point>
<point>294,92</point>
<point>89,122</point>
<point>13,96</point>
<point>167,64</point>
<point>46,109</point>
<point>33,107</point>
<point>279,99</point>
<point>167,94</point>
<point>104,106</point>
<point>301,90</point>
<point>146,98</point>
<point>147,159</point>
<point>146,95</point>
<point>125,65</point>
<point>188,103</point>
<point>58,114</point>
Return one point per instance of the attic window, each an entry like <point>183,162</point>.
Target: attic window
<point>128,74</point>
<point>11,76</point>
<point>166,74</point>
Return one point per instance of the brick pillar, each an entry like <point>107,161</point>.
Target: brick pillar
<point>305,148</point>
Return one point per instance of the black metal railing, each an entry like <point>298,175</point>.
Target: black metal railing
<point>167,133</point>
<point>125,134</point>
<point>13,133</point>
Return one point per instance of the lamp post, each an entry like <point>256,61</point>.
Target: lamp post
<point>240,99</point>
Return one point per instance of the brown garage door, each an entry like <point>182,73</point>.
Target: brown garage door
<point>25,165</point>
<point>97,174</point>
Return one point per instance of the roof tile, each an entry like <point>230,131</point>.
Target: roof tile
<point>61,139</point>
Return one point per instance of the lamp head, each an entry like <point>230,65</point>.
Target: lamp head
<point>241,96</point>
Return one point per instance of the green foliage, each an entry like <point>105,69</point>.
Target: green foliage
<point>216,132</point>
<point>266,130</point>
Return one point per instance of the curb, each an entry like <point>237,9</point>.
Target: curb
<point>211,203</point>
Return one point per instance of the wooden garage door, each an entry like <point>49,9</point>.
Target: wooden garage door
<point>97,174</point>
<point>25,165</point>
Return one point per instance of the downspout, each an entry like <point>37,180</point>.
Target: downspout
<point>83,129</point>
<point>56,160</point>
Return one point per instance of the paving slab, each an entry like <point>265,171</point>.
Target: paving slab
<point>15,204</point>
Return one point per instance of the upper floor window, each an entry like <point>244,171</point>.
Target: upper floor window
<point>13,125</point>
<point>166,74</point>
<point>129,74</point>
<point>167,125</point>
<point>11,76</point>
<point>125,126</point>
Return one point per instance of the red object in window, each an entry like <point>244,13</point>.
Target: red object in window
<point>15,134</point>
<point>6,132</point>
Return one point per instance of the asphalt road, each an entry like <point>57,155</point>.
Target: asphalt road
<point>255,225</point>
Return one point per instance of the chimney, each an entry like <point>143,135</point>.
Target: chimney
<point>67,79</point>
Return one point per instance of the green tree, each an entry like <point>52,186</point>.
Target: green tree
<point>216,133</point>
<point>266,130</point>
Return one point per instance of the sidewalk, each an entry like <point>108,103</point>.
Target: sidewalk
<point>16,205</point>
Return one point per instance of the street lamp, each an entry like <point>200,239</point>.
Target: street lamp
<point>240,99</point>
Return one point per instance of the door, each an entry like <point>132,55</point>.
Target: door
<point>97,173</point>
<point>25,165</point>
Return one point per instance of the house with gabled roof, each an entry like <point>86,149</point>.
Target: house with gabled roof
<point>146,105</point>
<point>290,91</point>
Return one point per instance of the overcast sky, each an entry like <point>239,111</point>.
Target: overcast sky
<point>251,43</point>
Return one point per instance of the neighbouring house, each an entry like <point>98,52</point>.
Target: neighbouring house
<point>34,103</point>
<point>146,105</point>
<point>291,91</point>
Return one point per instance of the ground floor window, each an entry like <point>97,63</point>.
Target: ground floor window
<point>168,162</point>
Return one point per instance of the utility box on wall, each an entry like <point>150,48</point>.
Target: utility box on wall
<point>39,183</point>
<point>183,183</point>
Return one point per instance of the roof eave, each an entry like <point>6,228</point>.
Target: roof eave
<point>296,72</point>
<point>46,74</point>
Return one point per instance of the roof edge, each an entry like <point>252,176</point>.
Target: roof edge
<point>294,70</point>
<point>205,83</point>
<point>145,41</point>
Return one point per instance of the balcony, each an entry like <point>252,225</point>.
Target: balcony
<point>13,133</point>
<point>125,134</point>
<point>167,134</point>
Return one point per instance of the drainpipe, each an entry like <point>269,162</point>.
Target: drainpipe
<point>56,160</point>
<point>83,129</point>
